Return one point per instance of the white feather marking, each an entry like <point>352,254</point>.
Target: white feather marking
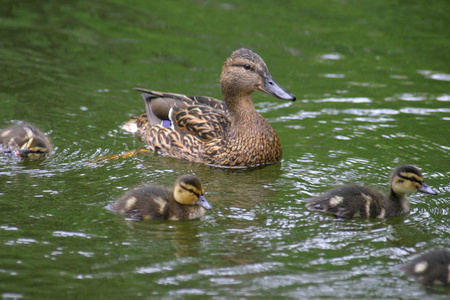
<point>382,214</point>
<point>336,200</point>
<point>5,133</point>
<point>130,203</point>
<point>130,126</point>
<point>368,202</point>
<point>161,205</point>
<point>420,267</point>
<point>172,126</point>
<point>30,132</point>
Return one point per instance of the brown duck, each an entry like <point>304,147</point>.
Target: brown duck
<point>209,131</point>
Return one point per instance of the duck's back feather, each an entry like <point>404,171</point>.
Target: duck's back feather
<point>204,117</point>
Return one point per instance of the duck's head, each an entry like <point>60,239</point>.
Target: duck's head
<point>408,179</point>
<point>245,72</point>
<point>34,148</point>
<point>189,191</point>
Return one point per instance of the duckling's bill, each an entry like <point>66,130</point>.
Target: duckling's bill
<point>203,202</point>
<point>424,188</point>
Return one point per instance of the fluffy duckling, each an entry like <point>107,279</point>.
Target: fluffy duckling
<point>25,140</point>
<point>360,201</point>
<point>185,201</point>
<point>432,268</point>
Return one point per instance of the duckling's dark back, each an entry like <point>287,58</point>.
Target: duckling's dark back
<point>352,201</point>
<point>25,139</point>
<point>431,268</point>
<point>147,202</point>
<point>16,135</point>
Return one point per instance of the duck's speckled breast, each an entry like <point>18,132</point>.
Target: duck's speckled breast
<point>245,145</point>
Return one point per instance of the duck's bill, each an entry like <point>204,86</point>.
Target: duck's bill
<point>424,188</point>
<point>269,86</point>
<point>203,202</point>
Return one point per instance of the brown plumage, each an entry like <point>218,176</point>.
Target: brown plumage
<point>185,201</point>
<point>360,201</point>
<point>432,268</point>
<point>25,140</point>
<point>210,131</point>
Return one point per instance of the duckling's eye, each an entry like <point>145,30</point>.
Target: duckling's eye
<point>247,67</point>
<point>414,179</point>
<point>192,192</point>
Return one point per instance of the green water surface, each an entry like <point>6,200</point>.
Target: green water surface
<point>372,86</point>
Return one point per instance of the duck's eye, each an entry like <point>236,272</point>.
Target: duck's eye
<point>247,67</point>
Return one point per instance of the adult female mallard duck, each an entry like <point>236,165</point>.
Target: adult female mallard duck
<point>360,201</point>
<point>432,268</point>
<point>25,140</point>
<point>210,131</point>
<point>185,201</point>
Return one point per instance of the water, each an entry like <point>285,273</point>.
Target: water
<point>372,87</point>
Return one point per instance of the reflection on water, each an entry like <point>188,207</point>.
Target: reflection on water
<point>372,94</point>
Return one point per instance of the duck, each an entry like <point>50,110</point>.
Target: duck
<point>229,133</point>
<point>361,201</point>
<point>431,268</point>
<point>25,140</point>
<point>150,202</point>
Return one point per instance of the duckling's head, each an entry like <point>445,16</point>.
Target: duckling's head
<point>408,179</point>
<point>34,148</point>
<point>245,72</point>
<point>189,191</point>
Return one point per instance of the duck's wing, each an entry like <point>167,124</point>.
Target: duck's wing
<point>204,117</point>
<point>169,142</point>
<point>208,101</point>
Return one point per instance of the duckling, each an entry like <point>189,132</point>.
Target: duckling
<point>185,201</point>
<point>212,132</point>
<point>25,140</point>
<point>432,268</point>
<point>359,201</point>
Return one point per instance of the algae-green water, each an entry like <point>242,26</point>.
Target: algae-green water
<point>372,86</point>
